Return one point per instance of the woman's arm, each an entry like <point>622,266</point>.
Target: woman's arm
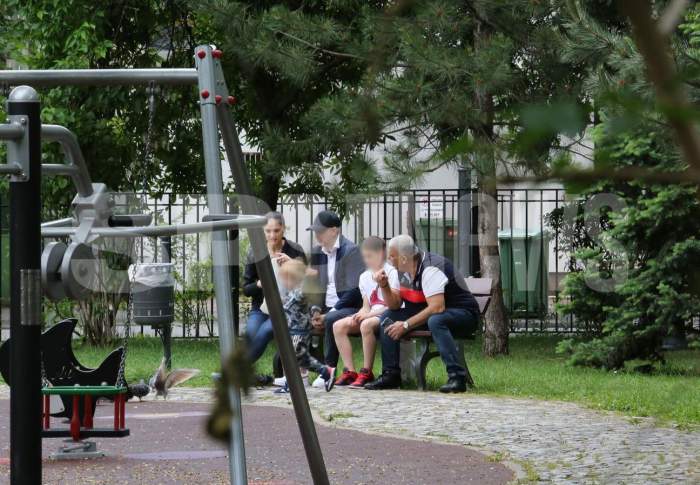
<point>250,281</point>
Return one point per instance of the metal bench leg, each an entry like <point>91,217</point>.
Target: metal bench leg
<point>463,363</point>
<point>422,364</point>
<point>277,365</point>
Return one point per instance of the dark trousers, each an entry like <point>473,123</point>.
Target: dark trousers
<point>453,322</point>
<point>330,351</point>
<point>258,332</point>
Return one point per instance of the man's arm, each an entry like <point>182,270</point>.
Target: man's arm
<point>436,304</point>
<point>391,296</point>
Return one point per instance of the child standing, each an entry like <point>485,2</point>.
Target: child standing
<point>366,321</point>
<point>296,308</point>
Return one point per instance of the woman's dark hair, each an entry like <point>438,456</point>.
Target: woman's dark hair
<point>373,243</point>
<point>275,216</point>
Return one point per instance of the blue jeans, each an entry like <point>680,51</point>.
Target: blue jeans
<point>258,332</point>
<point>330,350</point>
<point>456,322</point>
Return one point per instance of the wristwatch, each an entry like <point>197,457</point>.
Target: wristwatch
<point>405,325</point>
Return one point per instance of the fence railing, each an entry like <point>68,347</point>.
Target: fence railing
<point>441,220</point>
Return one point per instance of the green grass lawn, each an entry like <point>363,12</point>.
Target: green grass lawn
<point>532,370</point>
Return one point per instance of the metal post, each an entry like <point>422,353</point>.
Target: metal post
<point>464,221</point>
<point>221,264</point>
<point>99,77</point>
<point>166,331</point>
<point>250,205</point>
<point>235,268</point>
<point>25,321</point>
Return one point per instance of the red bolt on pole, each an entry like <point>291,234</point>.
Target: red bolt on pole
<point>232,100</point>
<point>217,98</point>
<point>217,54</point>
<point>201,54</point>
<point>204,93</point>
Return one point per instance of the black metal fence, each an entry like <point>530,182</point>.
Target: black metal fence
<point>441,220</point>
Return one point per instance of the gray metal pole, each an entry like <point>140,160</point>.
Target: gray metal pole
<point>11,131</point>
<point>241,222</point>
<point>71,148</point>
<point>25,303</point>
<point>99,77</point>
<point>166,331</point>
<point>250,205</point>
<point>464,221</point>
<point>221,269</point>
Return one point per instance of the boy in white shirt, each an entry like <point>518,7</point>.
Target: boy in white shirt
<point>366,321</point>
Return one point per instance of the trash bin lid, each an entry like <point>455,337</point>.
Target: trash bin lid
<point>152,274</point>
<point>521,234</point>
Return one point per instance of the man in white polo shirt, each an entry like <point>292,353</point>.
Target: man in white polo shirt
<point>434,295</point>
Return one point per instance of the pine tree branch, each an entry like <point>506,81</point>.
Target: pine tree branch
<point>317,48</point>
<point>661,69</point>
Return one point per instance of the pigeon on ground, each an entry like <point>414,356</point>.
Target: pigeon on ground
<point>140,390</point>
<point>162,381</point>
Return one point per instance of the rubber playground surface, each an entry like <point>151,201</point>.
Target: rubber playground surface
<point>168,445</point>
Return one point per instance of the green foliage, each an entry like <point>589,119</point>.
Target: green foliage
<point>193,297</point>
<point>111,122</point>
<point>643,259</point>
<point>634,280</point>
<point>294,69</point>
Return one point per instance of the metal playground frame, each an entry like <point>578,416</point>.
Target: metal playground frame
<point>23,132</point>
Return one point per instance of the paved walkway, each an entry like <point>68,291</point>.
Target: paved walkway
<point>168,446</point>
<point>554,442</point>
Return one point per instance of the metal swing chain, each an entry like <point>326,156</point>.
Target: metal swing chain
<point>148,155</point>
<point>148,149</point>
<point>121,381</point>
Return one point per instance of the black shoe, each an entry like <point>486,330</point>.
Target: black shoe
<point>262,380</point>
<point>388,380</point>
<point>455,384</point>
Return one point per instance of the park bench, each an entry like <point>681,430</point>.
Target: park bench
<point>479,287</point>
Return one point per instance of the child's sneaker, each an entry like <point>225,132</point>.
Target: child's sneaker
<point>346,378</point>
<point>363,377</point>
<point>282,390</point>
<point>328,376</point>
<point>318,383</point>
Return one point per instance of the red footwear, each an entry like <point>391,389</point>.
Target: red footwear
<point>363,378</point>
<point>346,378</point>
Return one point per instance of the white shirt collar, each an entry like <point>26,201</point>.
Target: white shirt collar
<point>335,248</point>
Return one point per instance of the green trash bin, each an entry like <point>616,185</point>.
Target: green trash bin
<point>524,271</point>
<point>438,235</point>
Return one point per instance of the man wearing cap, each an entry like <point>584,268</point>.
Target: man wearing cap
<point>337,263</point>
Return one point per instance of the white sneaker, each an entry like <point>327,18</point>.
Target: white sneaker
<point>280,381</point>
<point>319,383</point>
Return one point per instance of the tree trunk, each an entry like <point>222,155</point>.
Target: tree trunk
<point>495,322</point>
<point>270,190</point>
<point>496,327</point>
